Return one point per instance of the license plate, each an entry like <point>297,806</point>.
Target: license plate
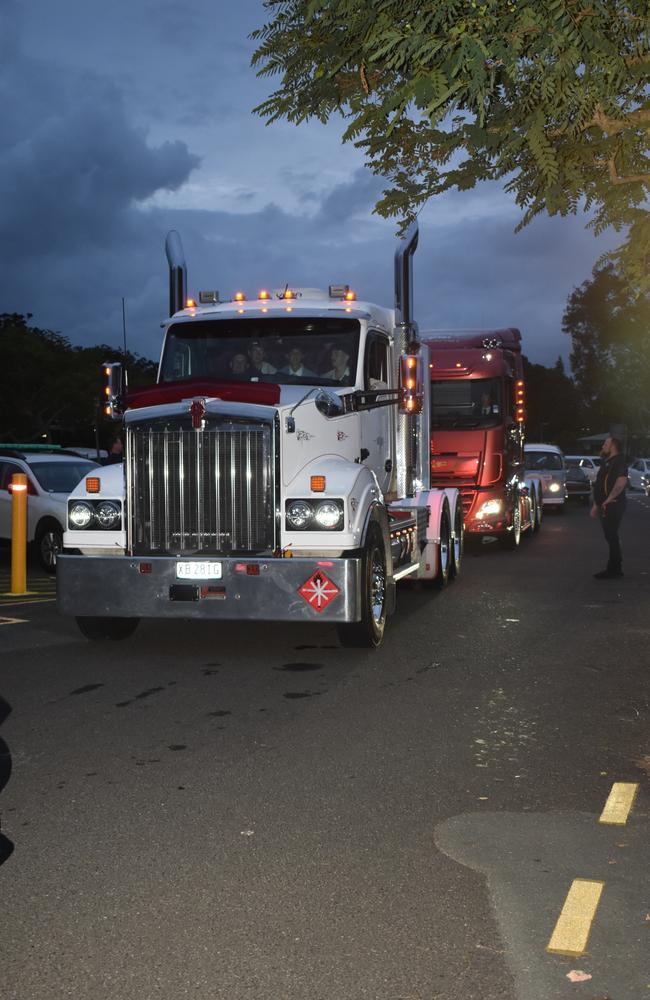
<point>198,570</point>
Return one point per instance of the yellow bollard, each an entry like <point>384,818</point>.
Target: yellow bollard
<point>19,533</point>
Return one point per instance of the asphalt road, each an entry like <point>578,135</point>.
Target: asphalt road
<point>253,813</point>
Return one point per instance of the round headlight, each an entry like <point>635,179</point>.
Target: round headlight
<point>80,514</point>
<point>299,514</point>
<point>328,514</point>
<point>108,514</point>
<point>554,488</point>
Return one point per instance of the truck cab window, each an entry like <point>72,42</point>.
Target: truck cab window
<point>466,403</point>
<point>376,367</point>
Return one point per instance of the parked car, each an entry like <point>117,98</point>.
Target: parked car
<point>639,475</point>
<point>52,474</point>
<point>590,464</point>
<point>577,485</point>
<point>548,461</point>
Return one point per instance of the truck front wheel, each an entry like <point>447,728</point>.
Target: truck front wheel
<point>100,629</point>
<point>369,632</point>
<point>512,538</point>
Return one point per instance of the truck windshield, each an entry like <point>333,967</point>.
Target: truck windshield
<point>543,461</point>
<point>301,351</point>
<point>466,403</point>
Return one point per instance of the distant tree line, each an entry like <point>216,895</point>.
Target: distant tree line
<point>50,391</point>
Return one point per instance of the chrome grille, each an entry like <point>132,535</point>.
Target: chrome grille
<point>200,491</point>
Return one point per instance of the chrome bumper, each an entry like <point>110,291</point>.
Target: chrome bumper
<point>249,589</point>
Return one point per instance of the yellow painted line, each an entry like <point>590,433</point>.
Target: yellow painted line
<point>572,929</point>
<point>25,593</point>
<point>619,803</point>
<point>13,621</point>
<point>36,600</point>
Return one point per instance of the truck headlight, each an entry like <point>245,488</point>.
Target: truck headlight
<point>490,507</point>
<point>314,515</point>
<point>554,488</point>
<point>329,514</point>
<point>107,514</point>
<point>299,514</point>
<point>80,514</point>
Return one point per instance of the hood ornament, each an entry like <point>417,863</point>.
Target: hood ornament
<point>197,411</point>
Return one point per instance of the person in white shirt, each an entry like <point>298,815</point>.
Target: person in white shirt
<point>258,364</point>
<point>340,370</point>
<point>295,366</point>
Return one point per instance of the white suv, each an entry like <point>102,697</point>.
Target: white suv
<point>589,464</point>
<point>639,475</point>
<point>52,474</point>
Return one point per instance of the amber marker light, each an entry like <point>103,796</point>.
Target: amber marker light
<point>264,294</point>
<point>289,294</point>
<point>190,303</point>
<point>317,484</point>
<point>350,296</point>
<point>93,484</point>
<point>239,297</point>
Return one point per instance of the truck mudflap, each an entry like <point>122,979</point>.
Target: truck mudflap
<point>299,589</point>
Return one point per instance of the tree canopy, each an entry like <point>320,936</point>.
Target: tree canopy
<point>551,97</point>
<point>610,355</point>
<point>51,390</point>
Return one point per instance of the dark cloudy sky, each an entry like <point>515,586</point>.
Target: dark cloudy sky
<point>122,119</point>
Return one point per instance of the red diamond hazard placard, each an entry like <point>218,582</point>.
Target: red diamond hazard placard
<point>318,591</point>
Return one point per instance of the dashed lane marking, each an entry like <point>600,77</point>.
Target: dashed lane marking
<point>571,932</point>
<point>30,600</point>
<point>619,803</point>
<point>13,621</point>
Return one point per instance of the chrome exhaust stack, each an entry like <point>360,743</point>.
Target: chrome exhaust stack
<point>177,272</point>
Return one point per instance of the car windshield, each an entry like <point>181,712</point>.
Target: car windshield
<point>466,403</point>
<point>543,461</point>
<point>302,351</point>
<point>60,477</point>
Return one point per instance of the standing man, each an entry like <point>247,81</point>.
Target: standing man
<point>609,504</point>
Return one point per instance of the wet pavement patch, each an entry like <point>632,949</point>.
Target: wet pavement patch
<point>298,668</point>
<point>86,688</point>
<point>177,746</point>
<point>301,694</point>
<point>219,713</point>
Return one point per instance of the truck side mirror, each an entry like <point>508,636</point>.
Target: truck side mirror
<point>112,406</point>
<point>329,403</point>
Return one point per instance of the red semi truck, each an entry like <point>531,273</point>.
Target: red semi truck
<point>477,430</point>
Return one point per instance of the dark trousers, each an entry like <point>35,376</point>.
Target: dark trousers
<point>611,521</point>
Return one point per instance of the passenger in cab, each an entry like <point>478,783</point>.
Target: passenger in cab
<point>340,362</point>
<point>295,365</point>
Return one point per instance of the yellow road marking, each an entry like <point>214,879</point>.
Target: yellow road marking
<point>25,593</point>
<point>31,600</point>
<point>572,929</point>
<point>13,621</point>
<point>620,801</point>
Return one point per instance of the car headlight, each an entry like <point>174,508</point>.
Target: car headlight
<point>107,514</point>
<point>314,515</point>
<point>554,488</point>
<point>80,515</point>
<point>329,514</point>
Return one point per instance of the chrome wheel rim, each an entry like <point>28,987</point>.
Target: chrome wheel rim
<point>50,548</point>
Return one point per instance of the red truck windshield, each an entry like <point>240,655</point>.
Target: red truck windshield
<point>466,403</point>
<point>303,351</point>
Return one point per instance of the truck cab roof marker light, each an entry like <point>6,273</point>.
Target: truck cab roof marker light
<point>190,303</point>
<point>263,295</point>
<point>239,297</point>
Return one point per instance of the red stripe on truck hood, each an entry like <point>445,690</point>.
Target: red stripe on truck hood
<point>264,393</point>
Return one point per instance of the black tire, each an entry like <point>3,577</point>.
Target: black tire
<point>458,543</point>
<point>441,578</point>
<point>101,629</point>
<point>49,543</point>
<point>512,539</point>
<point>533,515</point>
<point>369,632</point>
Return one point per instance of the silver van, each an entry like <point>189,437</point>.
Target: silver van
<point>547,461</point>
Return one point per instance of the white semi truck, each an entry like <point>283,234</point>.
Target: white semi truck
<point>278,470</point>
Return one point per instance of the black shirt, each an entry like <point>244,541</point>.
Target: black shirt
<point>608,473</point>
